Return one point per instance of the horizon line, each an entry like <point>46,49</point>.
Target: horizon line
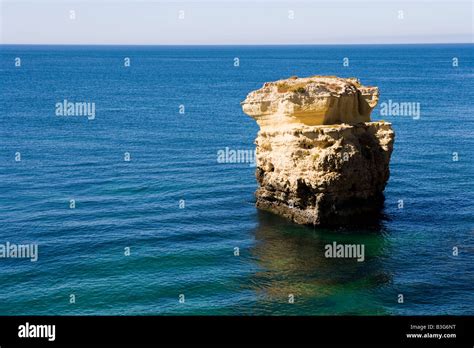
<point>240,44</point>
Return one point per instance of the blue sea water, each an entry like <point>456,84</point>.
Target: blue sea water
<point>190,250</point>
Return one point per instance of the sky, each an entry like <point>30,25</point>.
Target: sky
<point>252,22</point>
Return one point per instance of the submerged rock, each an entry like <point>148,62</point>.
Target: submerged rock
<point>319,159</point>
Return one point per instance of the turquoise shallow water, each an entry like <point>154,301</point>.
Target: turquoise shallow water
<point>190,251</point>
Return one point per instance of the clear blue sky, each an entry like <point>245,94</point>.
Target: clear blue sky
<point>235,21</point>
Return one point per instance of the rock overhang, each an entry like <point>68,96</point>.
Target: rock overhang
<point>315,100</point>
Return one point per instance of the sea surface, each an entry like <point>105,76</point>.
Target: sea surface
<point>181,214</point>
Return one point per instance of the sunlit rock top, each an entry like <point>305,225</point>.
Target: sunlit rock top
<point>316,100</point>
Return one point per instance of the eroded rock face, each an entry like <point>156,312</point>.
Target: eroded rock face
<point>312,101</point>
<point>319,158</point>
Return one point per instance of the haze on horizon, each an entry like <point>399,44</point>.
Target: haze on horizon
<point>252,22</point>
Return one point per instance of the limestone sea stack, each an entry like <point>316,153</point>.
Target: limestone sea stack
<point>320,160</point>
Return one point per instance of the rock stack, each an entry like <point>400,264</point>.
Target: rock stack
<point>320,160</point>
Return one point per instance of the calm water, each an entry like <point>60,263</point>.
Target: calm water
<point>174,157</point>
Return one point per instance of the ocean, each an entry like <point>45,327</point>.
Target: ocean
<point>133,214</point>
